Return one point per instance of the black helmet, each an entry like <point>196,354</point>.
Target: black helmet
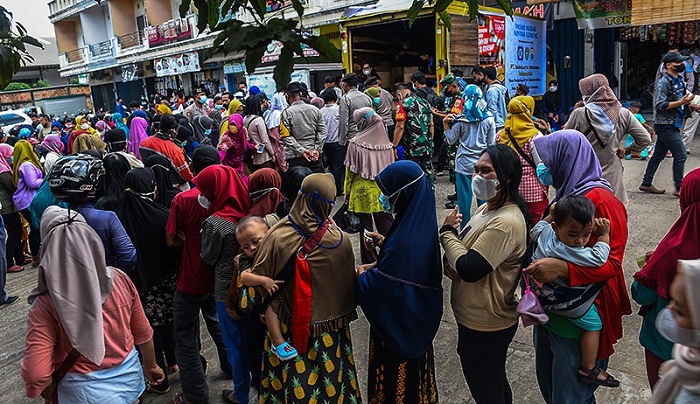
<point>73,179</point>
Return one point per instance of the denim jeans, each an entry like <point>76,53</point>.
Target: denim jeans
<point>335,155</point>
<point>233,332</point>
<point>463,183</point>
<point>557,360</point>
<point>186,308</point>
<point>668,138</point>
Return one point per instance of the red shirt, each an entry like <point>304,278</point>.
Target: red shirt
<point>172,152</point>
<point>186,217</point>
<point>613,301</point>
<point>47,344</point>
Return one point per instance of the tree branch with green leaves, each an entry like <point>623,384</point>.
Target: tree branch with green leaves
<point>13,47</point>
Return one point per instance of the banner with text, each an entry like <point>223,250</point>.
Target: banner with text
<point>178,64</point>
<point>266,82</point>
<point>593,14</point>
<point>492,34</point>
<point>525,54</point>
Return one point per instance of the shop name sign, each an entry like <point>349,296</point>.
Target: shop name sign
<point>602,14</point>
<point>274,49</point>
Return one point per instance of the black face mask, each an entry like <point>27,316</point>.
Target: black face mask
<point>679,68</point>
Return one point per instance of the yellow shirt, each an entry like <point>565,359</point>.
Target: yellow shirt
<point>501,238</point>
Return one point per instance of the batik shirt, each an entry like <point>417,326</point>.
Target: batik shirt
<point>416,113</point>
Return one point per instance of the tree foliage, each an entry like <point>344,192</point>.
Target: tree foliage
<point>17,85</point>
<point>269,26</point>
<point>13,47</point>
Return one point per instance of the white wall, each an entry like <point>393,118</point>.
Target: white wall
<point>94,25</point>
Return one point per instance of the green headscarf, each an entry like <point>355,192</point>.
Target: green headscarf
<point>23,152</point>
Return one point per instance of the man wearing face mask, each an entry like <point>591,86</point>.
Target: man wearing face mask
<point>552,106</point>
<point>199,107</point>
<point>351,102</point>
<point>670,100</point>
<point>385,105</point>
<point>414,125</point>
<point>367,71</point>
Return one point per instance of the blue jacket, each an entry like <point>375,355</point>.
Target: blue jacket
<point>119,251</point>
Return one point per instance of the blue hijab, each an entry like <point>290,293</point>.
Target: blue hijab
<point>474,105</point>
<point>402,296</point>
<point>118,119</point>
<point>570,158</point>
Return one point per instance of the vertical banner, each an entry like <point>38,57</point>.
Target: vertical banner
<point>526,54</point>
<point>492,34</point>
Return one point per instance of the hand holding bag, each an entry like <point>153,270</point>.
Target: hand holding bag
<point>529,308</point>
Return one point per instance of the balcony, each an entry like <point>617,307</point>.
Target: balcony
<point>60,9</point>
<point>130,41</point>
<point>169,32</point>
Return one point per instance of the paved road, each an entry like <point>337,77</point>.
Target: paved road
<point>650,217</point>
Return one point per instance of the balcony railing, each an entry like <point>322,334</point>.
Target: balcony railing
<point>60,9</point>
<point>169,31</point>
<point>102,49</point>
<point>131,40</point>
<point>75,56</point>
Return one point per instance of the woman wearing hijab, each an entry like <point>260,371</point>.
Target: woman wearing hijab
<point>164,109</point>
<point>474,129</point>
<point>118,120</point>
<point>156,264</point>
<point>483,262</point>
<point>367,155</point>
<point>257,131</point>
<point>519,133</point>
<point>138,132</point>
<point>273,119</point>
<point>216,123</point>
<point>264,189</point>
<point>167,179</point>
<point>233,146</point>
<point>111,184</point>
<point>226,195</point>
<point>88,142</point>
<point>202,127</point>
<point>234,107</point>
<point>185,136</point>
<point>27,176</point>
<point>569,163</point>
<point>115,140</point>
<point>652,284</point>
<point>322,313</point>
<point>403,280</point>
<point>680,323</point>
<point>82,127</point>
<point>102,127</point>
<point>53,147</point>
<point>10,216</point>
<point>86,315</point>
<point>605,124</point>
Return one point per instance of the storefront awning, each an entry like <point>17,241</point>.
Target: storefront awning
<point>381,7</point>
<point>646,12</point>
<point>220,57</point>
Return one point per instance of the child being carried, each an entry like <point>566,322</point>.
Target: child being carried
<point>563,234</point>
<point>250,233</point>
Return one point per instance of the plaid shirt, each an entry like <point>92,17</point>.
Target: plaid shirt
<point>530,188</point>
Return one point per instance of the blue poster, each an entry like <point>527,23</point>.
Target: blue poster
<point>526,54</point>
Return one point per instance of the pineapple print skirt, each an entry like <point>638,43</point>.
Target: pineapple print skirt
<point>326,374</point>
<point>394,380</point>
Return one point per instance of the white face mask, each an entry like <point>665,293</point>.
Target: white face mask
<point>203,202</point>
<point>552,88</point>
<point>484,189</point>
<point>84,126</point>
<point>669,329</point>
<point>366,72</point>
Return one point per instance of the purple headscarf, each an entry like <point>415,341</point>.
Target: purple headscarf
<point>572,162</point>
<point>53,143</point>
<point>102,126</point>
<point>137,133</point>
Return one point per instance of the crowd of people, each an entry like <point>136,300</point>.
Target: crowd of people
<point>140,220</point>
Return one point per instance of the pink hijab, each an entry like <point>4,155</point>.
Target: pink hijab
<point>371,151</point>
<point>137,133</point>
<point>5,153</point>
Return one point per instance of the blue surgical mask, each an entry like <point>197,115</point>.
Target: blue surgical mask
<point>10,159</point>
<point>386,205</point>
<point>207,132</point>
<point>543,175</point>
<point>376,101</point>
<point>203,99</point>
<point>217,106</point>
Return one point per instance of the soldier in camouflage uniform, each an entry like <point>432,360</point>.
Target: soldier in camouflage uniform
<point>414,125</point>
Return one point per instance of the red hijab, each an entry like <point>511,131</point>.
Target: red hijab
<point>682,242</point>
<point>222,186</point>
<point>264,186</point>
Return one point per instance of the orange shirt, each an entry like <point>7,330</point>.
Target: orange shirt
<point>47,344</point>
<point>172,151</point>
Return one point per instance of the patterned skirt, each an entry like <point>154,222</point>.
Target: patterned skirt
<point>393,379</point>
<point>326,374</point>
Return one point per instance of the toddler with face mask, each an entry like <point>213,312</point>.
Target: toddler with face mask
<point>680,323</point>
<point>563,234</point>
<point>250,233</point>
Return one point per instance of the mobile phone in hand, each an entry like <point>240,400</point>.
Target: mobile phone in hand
<point>261,148</point>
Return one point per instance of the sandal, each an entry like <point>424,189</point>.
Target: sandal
<point>227,396</point>
<point>14,269</point>
<point>285,351</point>
<point>180,398</point>
<point>590,376</point>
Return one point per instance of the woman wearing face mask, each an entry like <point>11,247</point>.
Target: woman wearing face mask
<point>264,155</point>
<point>483,262</point>
<point>201,129</point>
<point>652,284</point>
<point>605,124</point>
<point>83,127</point>
<point>519,133</point>
<point>552,106</point>
<point>566,161</point>
<point>474,129</point>
<point>403,280</point>
<point>233,146</point>
<point>368,154</point>
<point>273,118</point>
<point>138,132</point>
<point>680,323</point>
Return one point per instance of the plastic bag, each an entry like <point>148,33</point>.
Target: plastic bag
<point>529,308</point>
